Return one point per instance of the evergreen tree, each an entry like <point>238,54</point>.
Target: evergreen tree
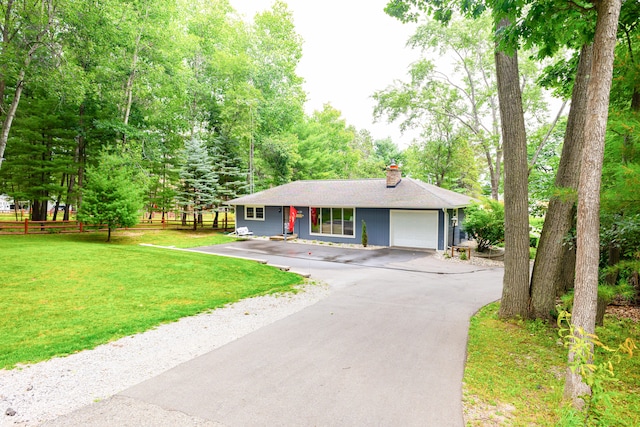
<point>40,159</point>
<point>232,178</point>
<point>113,194</point>
<point>199,181</point>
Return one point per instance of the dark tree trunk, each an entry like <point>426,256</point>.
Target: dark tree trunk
<point>515,289</point>
<point>559,219</point>
<point>215,219</point>
<point>57,206</point>
<point>614,258</point>
<point>195,221</point>
<point>602,308</point>
<point>567,270</point>
<point>38,210</point>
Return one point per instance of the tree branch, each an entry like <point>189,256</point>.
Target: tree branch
<point>546,138</point>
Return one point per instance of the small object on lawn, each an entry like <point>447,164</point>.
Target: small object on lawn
<point>10,412</point>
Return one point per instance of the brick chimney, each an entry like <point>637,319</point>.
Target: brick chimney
<point>393,175</point>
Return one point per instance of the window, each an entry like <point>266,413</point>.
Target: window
<point>333,221</point>
<point>254,213</point>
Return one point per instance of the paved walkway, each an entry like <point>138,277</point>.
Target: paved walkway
<point>386,348</point>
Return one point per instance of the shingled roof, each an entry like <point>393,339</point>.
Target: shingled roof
<point>362,193</point>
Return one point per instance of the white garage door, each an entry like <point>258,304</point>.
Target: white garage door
<point>414,229</point>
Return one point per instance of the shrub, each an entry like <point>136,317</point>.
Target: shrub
<point>485,222</point>
<point>365,238</point>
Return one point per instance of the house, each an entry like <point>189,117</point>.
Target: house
<point>398,211</point>
<point>5,203</point>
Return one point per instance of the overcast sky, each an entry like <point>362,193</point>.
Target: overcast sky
<point>351,49</point>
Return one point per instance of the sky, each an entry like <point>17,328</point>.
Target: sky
<point>351,49</point>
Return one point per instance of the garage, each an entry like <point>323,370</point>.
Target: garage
<point>414,229</point>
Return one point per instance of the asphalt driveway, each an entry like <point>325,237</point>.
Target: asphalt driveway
<point>385,348</point>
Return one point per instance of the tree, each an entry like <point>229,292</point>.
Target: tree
<point>232,178</point>
<point>485,222</point>
<point>588,242</point>
<point>546,278</point>
<point>515,289</point>
<point>24,31</point>
<point>462,99</point>
<point>114,193</point>
<point>325,147</point>
<point>42,140</point>
<point>199,182</point>
<point>443,156</point>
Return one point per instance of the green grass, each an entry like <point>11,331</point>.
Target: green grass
<point>521,365</point>
<point>64,293</point>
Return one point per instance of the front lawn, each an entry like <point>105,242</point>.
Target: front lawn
<point>60,294</point>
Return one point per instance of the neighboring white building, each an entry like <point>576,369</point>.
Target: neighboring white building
<point>5,203</point>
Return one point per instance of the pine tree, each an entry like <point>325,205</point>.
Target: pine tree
<point>232,178</point>
<point>199,181</point>
<point>113,194</point>
<point>41,155</point>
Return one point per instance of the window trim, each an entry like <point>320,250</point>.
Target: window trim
<point>345,236</point>
<point>254,217</point>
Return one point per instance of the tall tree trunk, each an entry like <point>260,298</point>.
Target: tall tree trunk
<point>79,159</point>
<point>559,219</point>
<point>588,227</point>
<point>515,289</point>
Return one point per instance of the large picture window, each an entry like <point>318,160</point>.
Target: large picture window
<point>333,221</point>
<point>254,213</point>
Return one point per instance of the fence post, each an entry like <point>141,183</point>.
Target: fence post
<point>81,227</point>
<point>26,226</point>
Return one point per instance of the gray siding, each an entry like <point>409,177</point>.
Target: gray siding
<point>459,236</point>
<point>378,227</point>
<point>271,225</point>
<point>441,225</point>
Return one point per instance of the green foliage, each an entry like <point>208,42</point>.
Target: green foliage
<point>455,109</point>
<point>198,178</point>
<point>114,193</point>
<point>542,174</point>
<point>525,388</point>
<point>324,148</point>
<point>365,237</point>
<point>595,373</point>
<point>484,221</point>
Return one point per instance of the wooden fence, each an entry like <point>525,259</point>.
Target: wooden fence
<point>28,226</point>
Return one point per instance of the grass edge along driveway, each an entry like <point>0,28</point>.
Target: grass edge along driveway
<point>61,294</point>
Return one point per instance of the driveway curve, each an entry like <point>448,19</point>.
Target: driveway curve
<point>387,347</point>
